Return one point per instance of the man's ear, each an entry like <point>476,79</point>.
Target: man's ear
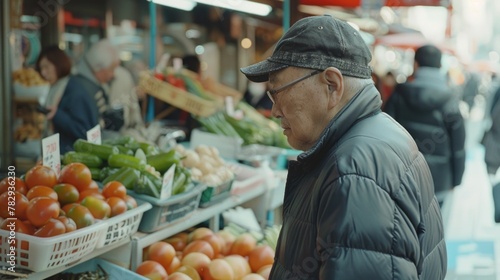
<point>335,85</point>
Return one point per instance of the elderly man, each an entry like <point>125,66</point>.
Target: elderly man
<point>359,201</point>
<point>95,70</point>
<point>83,103</point>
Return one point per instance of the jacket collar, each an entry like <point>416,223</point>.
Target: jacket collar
<point>364,104</point>
<point>83,68</point>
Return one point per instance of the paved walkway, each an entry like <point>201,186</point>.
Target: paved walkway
<point>472,236</point>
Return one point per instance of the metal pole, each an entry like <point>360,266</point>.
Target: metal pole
<point>150,114</point>
<point>286,15</point>
<point>6,129</point>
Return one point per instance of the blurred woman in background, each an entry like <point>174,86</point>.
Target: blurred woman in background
<point>55,66</point>
<point>71,110</point>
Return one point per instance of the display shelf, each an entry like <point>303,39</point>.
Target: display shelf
<point>141,240</point>
<point>47,273</point>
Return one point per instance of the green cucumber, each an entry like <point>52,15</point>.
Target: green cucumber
<point>128,176</point>
<point>122,140</point>
<point>125,150</point>
<point>96,173</point>
<point>102,151</point>
<point>162,162</point>
<point>148,149</point>
<point>179,185</point>
<point>106,171</point>
<point>147,186</point>
<point>119,160</point>
<point>89,160</point>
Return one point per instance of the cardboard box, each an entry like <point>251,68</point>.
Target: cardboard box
<point>177,97</point>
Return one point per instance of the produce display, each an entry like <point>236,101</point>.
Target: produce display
<point>99,181</point>
<point>47,205</point>
<point>138,166</point>
<point>204,254</point>
<point>205,165</point>
<point>252,127</point>
<point>28,77</point>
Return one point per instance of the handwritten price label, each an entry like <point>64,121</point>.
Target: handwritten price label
<point>94,135</point>
<point>168,182</point>
<point>51,155</point>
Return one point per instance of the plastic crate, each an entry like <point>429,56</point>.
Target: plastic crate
<point>214,194</point>
<point>39,254</point>
<point>123,225</point>
<point>113,271</point>
<point>166,211</point>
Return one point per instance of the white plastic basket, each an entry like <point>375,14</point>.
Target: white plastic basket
<point>43,253</point>
<point>123,225</point>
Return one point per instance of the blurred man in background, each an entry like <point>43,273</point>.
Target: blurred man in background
<point>428,108</point>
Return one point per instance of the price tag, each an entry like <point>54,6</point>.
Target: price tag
<point>51,155</point>
<point>168,182</point>
<point>229,105</point>
<point>94,135</point>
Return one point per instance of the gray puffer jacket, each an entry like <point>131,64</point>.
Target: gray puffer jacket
<point>360,204</point>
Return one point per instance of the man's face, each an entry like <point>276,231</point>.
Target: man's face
<point>105,75</point>
<point>302,107</point>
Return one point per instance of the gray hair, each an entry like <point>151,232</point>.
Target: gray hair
<point>352,85</point>
<point>102,55</point>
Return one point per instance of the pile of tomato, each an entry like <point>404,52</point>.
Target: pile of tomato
<point>46,205</point>
<point>206,255</point>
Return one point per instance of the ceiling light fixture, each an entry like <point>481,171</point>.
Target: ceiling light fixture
<point>239,5</point>
<point>185,5</point>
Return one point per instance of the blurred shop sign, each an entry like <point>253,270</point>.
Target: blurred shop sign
<point>16,11</point>
<point>372,4</point>
<point>362,3</point>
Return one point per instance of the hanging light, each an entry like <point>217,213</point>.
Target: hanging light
<point>185,5</point>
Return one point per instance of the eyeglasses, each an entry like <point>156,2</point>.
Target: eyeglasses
<point>272,92</point>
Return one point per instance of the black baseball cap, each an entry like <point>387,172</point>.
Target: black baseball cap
<point>316,42</point>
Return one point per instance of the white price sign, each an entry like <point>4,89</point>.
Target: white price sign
<point>168,182</point>
<point>94,135</point>
<point>51,155</point>
<point>229,102</point>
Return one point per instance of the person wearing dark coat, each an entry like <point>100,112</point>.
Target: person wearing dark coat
<point>359,201</point>
<point>491,139</point>
<point>429,110</point>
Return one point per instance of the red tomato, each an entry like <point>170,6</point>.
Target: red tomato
<point>152,270</point>
<point>76,174</point>
<point>41,209</point>
<point>100,209</point>
<point>81,215</point>
<point>161,252</point>
<point>40,175</point>
<point>117,205</point>
<point>39,191</point>
<point>66,193</point>
<point>260,256</point>
<point>17,226</point>
<point>131,202</point>
<point>91,192</point>
<point>16,182</point>
<point>13,205</point>
<point>114,188</point>
<point>69,224</point>
<point>68,206</point>
<point>52,228</point>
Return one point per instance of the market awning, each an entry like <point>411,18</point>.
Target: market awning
<point>390,3</point>
<point>410,40</point>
